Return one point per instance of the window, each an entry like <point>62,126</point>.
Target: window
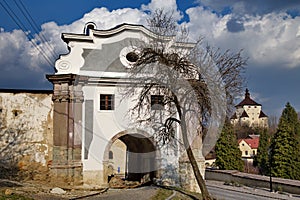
<point>110,155</point>
<point>246,153</point>
<point>157,102</point>
<point>132,56</point>
<point>107,101</point>
<point>253,152</point>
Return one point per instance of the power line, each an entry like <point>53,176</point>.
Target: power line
<point>21,25</point>
<point>35,27</point>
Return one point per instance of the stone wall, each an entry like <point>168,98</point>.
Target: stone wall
<point>26,134</point>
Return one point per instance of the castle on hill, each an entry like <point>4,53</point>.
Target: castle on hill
<point>248,112</point>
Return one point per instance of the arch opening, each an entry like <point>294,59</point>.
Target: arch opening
<point>134,158</point>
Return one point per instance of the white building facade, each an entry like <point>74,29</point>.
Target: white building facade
<point>93,136</point>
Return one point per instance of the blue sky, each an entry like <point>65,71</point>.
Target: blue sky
<point>268,32</point>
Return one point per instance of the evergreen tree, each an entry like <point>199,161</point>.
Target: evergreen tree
<point>261,160</point>
<point>285,150</point>
<point>228,155</point>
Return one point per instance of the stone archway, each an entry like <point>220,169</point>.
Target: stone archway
<point>141,156</point>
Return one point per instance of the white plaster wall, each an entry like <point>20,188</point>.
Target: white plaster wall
<point>72,62</point>
<point>243,146</point>
<point>253,119</point>
<point>253,113</point>
<point>119,157</point>
<point>106,123</point>
<point>33,123</point>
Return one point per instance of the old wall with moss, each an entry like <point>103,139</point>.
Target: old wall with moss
<point>26,127</point>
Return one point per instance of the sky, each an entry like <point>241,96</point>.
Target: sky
<point>267,31</point>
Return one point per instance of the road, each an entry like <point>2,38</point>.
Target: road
<point>224,192</point>
<point>217,189</point>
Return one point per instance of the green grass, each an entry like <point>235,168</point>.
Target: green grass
<point>13,197</point>
<point>162,194</point>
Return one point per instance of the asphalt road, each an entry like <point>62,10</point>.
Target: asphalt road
<point>217,189</point>
<point>222,194</point>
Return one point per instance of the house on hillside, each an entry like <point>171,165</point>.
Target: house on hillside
<point>250,113</point>
<point>248,147</point>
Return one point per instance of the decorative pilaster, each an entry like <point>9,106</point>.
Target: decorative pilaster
<point>66,167</point>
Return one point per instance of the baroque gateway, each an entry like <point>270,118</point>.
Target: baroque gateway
<point>94,138</point>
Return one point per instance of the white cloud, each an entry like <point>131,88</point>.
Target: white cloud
<point>205,23</point>
<point>16,51</point>
<point>252,7</point>
<point>166,5</point>
<point>268,40</point>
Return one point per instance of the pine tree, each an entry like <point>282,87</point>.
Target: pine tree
<point>228,155</point>
<point>285,150</point>
<point>261,160</point>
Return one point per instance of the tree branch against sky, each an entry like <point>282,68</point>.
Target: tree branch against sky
<point>267,32</point>
<point>197,83</point>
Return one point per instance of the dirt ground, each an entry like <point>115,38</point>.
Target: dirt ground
<point>40,191</point>
<point>14,190</point>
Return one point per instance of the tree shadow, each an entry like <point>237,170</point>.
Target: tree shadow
<point>12,148</point>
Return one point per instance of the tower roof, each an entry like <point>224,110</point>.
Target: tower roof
<point>247,101</point>
<point>244,114</point>
<point>262,114</point>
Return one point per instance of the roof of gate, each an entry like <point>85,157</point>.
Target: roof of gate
<point>89,33</point>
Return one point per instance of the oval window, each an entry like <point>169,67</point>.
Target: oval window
<point>132,57</point>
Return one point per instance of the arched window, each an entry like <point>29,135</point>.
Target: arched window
<point>110,155</point>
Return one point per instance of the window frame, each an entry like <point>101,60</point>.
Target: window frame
<point>110,155</point>
<point>109,102</point>
<point>157,102</point>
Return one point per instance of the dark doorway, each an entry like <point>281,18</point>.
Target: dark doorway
<point>140,158</point>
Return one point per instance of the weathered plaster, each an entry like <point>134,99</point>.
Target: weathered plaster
<point>26,131</point>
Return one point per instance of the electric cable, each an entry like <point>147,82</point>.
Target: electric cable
<point>21,25</point>
<point>35,27</point>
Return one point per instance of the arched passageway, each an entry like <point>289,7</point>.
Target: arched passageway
<point>133,156</point>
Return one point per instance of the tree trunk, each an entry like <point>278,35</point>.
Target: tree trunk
<point>204,192</point>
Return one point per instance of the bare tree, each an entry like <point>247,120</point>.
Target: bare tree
<point>183,86</point>
<point>273,123</point>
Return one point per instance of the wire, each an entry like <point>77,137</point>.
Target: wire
<point>33,24</point>
<point>19,23</point>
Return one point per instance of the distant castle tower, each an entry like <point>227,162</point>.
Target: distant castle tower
<point>249,112</point>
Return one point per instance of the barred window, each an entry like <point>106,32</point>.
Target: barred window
<point>107,101</point>
<point>157,102</point>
